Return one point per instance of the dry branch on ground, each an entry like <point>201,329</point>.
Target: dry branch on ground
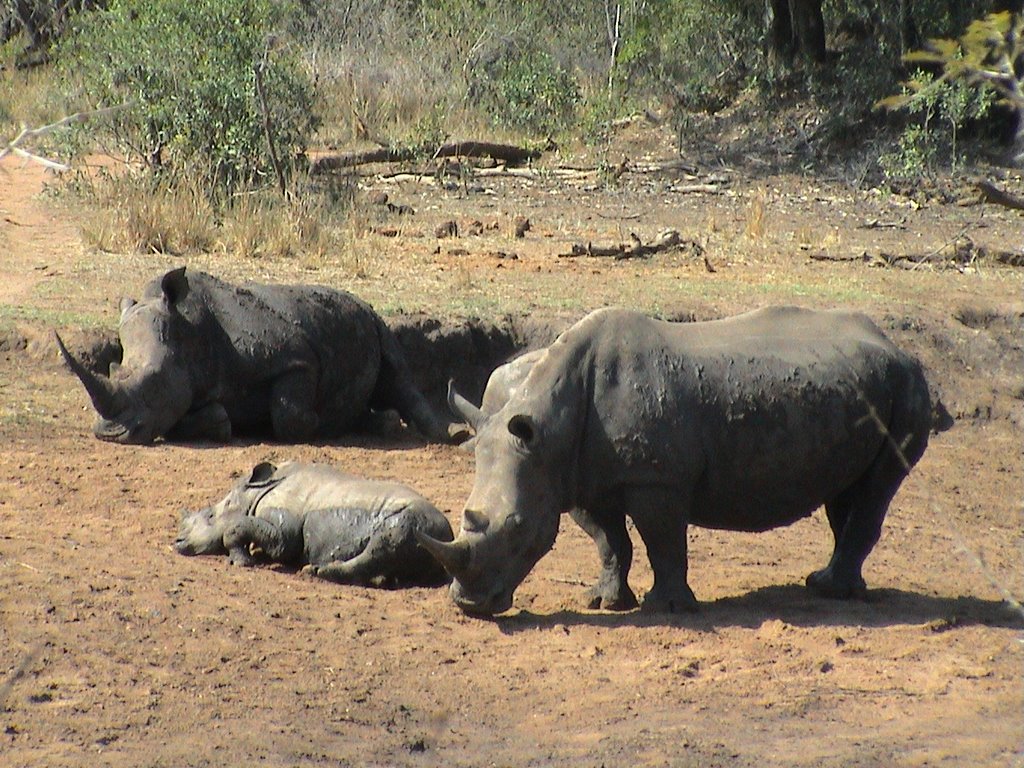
<point>666,240</point>
<point>504,153</point>
<point>993,194</point>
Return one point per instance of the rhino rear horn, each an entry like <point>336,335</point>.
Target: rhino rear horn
<point>105,396</point>
<point>464,409</point>
<point>453,555</point>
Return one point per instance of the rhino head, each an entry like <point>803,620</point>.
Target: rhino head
<point>202,532</point>
<point>151,390</point>
<point>521,487</point>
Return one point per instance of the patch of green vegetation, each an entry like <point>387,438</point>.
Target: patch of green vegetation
<point>198,85</point>
<point>11,315</point>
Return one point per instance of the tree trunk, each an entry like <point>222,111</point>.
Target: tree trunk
<point>797,27</point>
<point>808,28</point>
<point>780,31</point>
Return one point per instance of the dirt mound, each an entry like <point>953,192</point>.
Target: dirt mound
<point>973,358</point>
<point>467,350</point>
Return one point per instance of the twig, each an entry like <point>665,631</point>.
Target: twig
<point>14,145</point>
<point>18,672</point>
<point>258,71</point>
<point>992,194</point>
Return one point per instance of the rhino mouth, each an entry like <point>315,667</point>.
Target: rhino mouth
<point>492,604</point>
<point>134,433</point>
<point>198,535</point>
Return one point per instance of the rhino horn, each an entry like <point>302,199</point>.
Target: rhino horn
<point>453,555</point>
<point>104,394</point>
<point>461,407</point>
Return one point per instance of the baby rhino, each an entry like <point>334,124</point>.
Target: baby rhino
<point>343,528</point>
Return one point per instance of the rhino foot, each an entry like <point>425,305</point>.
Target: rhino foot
<point>240,556</point>
<point>615,599</point>
<point>827,584</point>
<point>680,600</point>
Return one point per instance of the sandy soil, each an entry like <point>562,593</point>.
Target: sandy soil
<point>116,651</point>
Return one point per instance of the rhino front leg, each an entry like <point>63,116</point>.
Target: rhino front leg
<point>208,422</point>
<point>292,396</point>
<point>656,512</point>
<point>608,530</point>
<point>276,537</point>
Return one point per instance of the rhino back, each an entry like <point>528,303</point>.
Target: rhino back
<point>254,334</point>
<point>759,418</point>
<point>305,489</point>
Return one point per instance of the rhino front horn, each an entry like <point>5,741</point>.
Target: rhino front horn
<point>104,395</point>
<point>453,555</point>
<point>464,409</point>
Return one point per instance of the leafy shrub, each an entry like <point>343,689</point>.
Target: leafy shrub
<point>526,89</point>
<point>186,72</point>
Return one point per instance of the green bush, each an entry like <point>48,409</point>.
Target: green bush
<point>525,89</point>
<point>185,71</point>
<point>938,111</point>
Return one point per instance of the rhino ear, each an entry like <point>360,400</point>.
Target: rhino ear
<point>126,304</point>
<point>523,427</point>
<point>262,473</point>
<point>175,286</point>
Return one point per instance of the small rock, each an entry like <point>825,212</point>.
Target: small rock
<point>447,229</point>
<point>521,225</point>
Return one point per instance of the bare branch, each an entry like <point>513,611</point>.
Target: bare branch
<point>14,145</point>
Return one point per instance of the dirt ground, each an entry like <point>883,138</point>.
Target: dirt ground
<point>116,651</point>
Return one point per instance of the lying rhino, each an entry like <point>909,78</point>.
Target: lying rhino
<point>746,424</point>
<point>204,360</point>
<point>344,528</point>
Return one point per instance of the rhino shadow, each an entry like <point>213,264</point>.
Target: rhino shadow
<point>793,605</point>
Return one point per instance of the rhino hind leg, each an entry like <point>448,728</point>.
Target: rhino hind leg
<point>292,414</point>
<point>391,558</point>
<point>395,389</point>
<point>856,516</point>
<point>611,592</point>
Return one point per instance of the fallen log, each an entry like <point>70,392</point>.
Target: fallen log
<point>992,194</point>
<point>504,153</point>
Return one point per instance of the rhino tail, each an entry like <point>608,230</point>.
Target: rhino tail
<point>395,389</point>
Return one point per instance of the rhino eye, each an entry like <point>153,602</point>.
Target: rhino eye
<point>523,428</point>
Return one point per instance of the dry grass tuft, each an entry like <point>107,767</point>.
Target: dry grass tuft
<point>134,214</point>
<point>138,215</point>
<point>756,216</point>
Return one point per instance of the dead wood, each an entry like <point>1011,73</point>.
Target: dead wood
<point>504,153</point>
<point>992,194</point>
<point>666,240</point>
<point>329,163</point>
<point>820,256</point>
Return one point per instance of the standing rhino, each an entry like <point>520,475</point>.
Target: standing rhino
<point>204,359</point>
<point>746,424</point>
<point>345,528</point>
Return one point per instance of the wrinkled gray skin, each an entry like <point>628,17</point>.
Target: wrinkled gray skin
<point>205,360</point>
<point>501,385</point>
<point>344,528</point>
<point>745,424</point>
